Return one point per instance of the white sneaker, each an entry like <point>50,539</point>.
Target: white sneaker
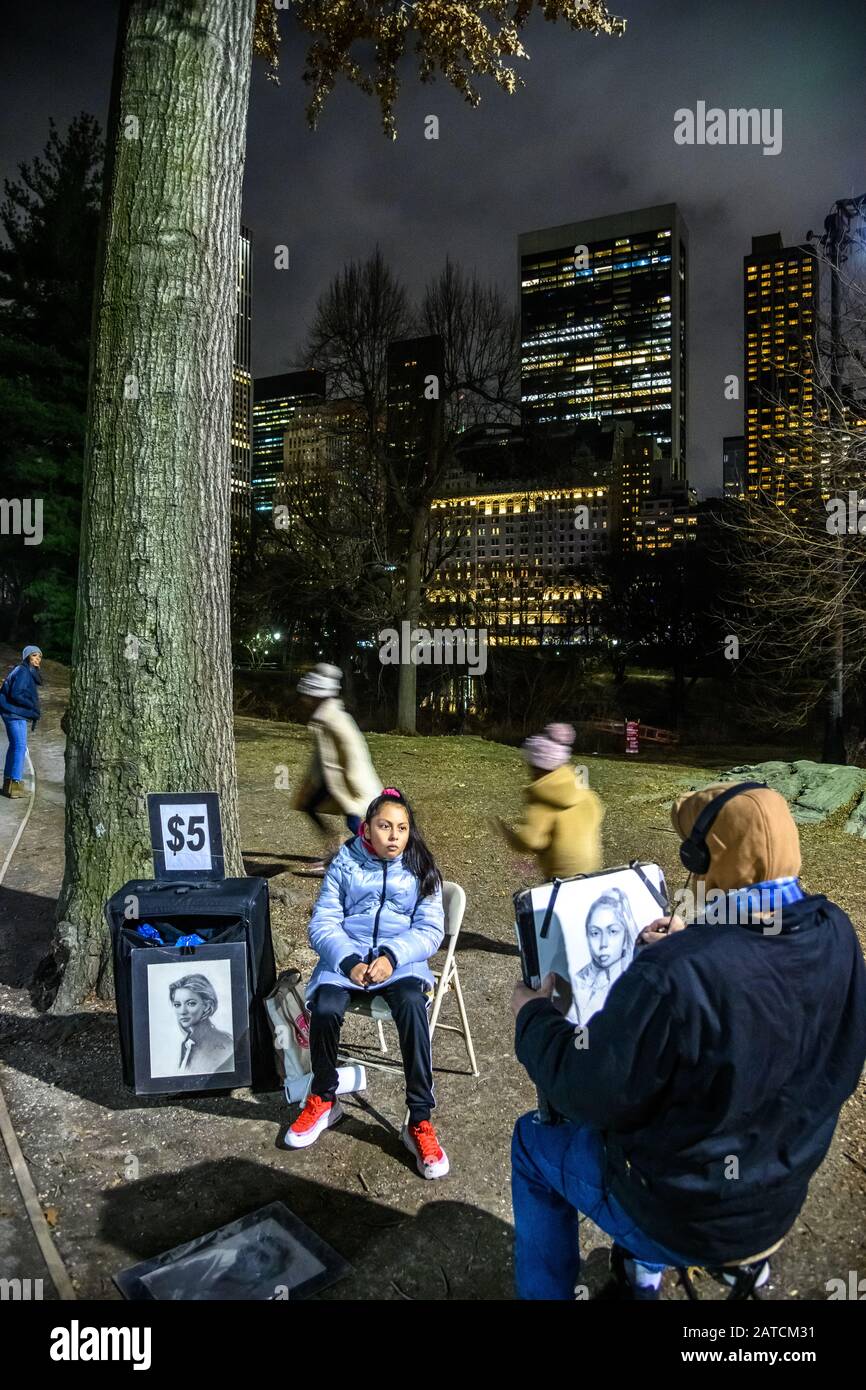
<point>730,1277</point>
<point>316,1116</point>
<point>430,1158</point>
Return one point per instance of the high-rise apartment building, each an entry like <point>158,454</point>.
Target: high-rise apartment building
<point>324,474</point>
<point>603,307</point>
<point>781,316</point>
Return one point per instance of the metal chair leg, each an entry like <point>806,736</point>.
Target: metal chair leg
<point>465,1021</point>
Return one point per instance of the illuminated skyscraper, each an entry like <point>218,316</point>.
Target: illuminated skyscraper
<point>734,466</point>
<point>603,325</point>
<point>277,402</point>
<point>241,423</point>
<point>781,315</point>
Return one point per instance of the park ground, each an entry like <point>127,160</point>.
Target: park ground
<point>122,1178</point>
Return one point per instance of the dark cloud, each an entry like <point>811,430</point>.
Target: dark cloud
<point>591,133</point>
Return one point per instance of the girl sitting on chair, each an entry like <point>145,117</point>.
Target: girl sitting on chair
<point>378,919</point>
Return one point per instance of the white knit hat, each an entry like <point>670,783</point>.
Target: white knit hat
<point>322,682</point>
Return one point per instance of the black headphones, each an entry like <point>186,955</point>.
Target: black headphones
<point>694,852</point>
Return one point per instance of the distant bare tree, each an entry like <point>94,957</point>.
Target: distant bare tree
<point>361,312</point>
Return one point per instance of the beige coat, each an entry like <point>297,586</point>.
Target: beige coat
<point>340,763</point>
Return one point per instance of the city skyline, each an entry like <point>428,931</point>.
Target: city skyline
<point>518,162</point>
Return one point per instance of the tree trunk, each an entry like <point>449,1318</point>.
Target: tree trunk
<point>151,692</point>
<point>407,708</point>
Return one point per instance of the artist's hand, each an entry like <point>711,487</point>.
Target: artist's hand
<point>659,929</point>
<point>524,995</point>
<point>378,970</point>
<point>358,973</point>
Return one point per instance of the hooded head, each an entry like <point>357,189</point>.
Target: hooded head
<point>549,750</point>
<point>752,839</point>
<point>322,683</point>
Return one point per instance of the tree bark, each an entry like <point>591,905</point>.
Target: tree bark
<point>151,691</point>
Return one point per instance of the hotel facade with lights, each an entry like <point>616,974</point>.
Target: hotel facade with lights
<point>603,309</point>
<point>519,561</point>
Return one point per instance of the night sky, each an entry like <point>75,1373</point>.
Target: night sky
<point>590,134</point>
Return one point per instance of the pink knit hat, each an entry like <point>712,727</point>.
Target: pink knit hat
<point>549,750</point>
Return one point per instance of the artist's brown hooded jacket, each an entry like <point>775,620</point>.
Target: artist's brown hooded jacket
<point>752,839</point>
<point>721,1058</point>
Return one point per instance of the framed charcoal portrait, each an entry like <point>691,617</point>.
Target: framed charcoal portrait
<point>190,1018</point>
<point>268,1255</point>
<point>583,930</point>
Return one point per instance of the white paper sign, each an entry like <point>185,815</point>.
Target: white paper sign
<point>186,836</point>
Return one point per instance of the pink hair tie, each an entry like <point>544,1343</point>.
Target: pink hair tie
<point>391,791</point>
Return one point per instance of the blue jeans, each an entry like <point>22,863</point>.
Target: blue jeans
<point>16,732</point>
<point>556,1172</point>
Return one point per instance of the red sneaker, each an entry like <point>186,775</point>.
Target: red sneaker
<point>430,1157</point>
<point>316,1115</point>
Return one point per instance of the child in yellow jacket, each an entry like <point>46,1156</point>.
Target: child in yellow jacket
<point>561,825</point>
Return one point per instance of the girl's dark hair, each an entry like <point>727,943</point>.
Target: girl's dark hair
<point>416,856</point>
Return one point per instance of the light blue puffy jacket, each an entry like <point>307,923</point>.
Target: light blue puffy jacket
<point>366,903</point>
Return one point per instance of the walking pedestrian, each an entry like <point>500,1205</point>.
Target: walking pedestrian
<point>340,778</point>
<point>19,704</point>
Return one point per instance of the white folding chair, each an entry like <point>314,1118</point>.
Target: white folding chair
<point>375,1008</point>
<point>454,902</point>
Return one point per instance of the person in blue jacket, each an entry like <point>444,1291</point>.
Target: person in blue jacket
<point>19,702</point>
<point>378,919</point>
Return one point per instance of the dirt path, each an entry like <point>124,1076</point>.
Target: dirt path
<point>27,896</point>
<point>131,1177</point>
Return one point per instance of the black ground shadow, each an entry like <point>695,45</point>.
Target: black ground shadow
<point>266,864</point>
<point>474,941</point>
<point>449,1250</point>
<point>26,932</point>
<point>80,1053</point>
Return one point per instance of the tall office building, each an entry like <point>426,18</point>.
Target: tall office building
<point>277,399</point>
<point>781,315</point>
<point>603,307</point>
<point>241,421</point>
<point>734,466</point>
<point>413,363</point>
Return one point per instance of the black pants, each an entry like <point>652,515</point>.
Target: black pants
<point>314,801</point>
<point>407,1001</point>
